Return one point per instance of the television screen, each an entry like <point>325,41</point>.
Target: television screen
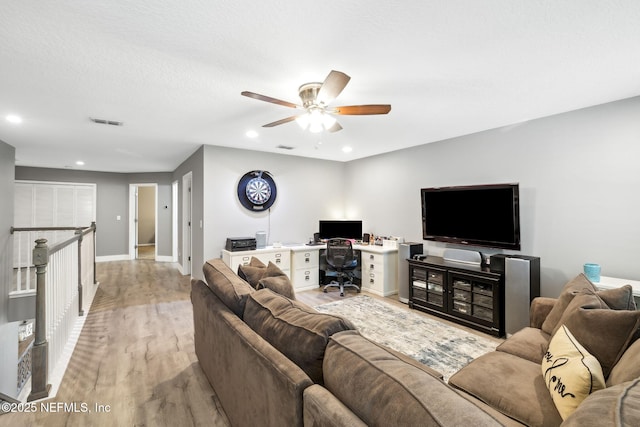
<point>482,215</point>
<point>348,229</point>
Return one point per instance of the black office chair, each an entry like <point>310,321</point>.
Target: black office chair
<point>342,260</point>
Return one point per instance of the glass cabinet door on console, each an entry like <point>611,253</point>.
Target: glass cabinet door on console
<point>472,297</point>
<point>427,288</point>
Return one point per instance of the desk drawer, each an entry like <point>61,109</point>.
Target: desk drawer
<point>305,277</point>
<point>373,280</point>
<point>304,259</point>
<point>281,259</point>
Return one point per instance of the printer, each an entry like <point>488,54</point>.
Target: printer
<point>235,244</point>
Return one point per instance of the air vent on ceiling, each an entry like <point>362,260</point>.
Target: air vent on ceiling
<point>106,122</point>
<point>285,147</point>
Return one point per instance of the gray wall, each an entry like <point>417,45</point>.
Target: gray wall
<point>8,331</point>
<point>112,237</point>
<point>308,190</point>
<point>195,165</point>
<point>579,187</point>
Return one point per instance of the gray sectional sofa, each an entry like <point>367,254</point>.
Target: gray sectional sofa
<point>274,361</point>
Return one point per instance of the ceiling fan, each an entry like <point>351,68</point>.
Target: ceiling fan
<point>315,102</point>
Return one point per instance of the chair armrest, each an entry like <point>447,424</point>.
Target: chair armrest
<point>540,308</point>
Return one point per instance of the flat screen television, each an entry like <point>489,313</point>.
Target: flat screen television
<point>479,215</point>
<point>348,229</point>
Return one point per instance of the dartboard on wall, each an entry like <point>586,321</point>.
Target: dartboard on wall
<point>257,190</point>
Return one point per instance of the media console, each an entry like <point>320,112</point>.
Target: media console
<point>463,293</point>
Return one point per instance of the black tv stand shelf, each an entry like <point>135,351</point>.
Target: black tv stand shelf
<point>467,294</point>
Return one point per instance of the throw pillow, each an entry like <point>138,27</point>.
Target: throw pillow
<point>604,332</point>
<point>619,298</point>
<point>570,372</point>
<point>279,284</point>
<point>628,367</point>
<point>231,289</point>
<point>253,271</point>
<point>573,287</point>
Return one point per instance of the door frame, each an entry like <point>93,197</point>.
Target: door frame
<point>187,222</point>
<point>133,216</point>
<point>174,221</point>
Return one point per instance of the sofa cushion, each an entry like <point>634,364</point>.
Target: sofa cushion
<point>253,271</point>
<point>510,384</point>
<point>570,289</point>
<point>230,288</point>
<point>528,343</point>
<point>321,408</point>
<point>296,330</point>
<point>615,406</point>
<point>570,372</point>
<point>604,332</point>
<point>383,390</point>
<point>628,367</point>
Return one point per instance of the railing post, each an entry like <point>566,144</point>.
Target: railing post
<point>39,353</point>
<point>79,234</point>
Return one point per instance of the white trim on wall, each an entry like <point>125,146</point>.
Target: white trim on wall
<point>108,258</point>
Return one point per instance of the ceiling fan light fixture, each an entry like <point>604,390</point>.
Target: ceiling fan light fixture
<point>316,127</point>
<point>303,121</point>
<point>328,120</point>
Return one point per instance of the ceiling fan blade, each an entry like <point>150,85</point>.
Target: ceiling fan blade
<point>280,122</point>
<point>358,110</point>
<point>335,128</point>
<point>332,86</point>
<point>269,99</point>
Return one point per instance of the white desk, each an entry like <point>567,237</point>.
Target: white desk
<point>301,263</point>
<point>613,282</point>
<point>379,269</point>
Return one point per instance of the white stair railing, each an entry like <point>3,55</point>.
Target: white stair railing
<point>64,288</point>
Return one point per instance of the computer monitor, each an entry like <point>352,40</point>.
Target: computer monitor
<point>348,229</point>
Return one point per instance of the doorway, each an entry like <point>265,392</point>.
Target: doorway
<point>143,228</point>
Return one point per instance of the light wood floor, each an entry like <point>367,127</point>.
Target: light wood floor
<point>147,252</point>
<point>136,354</point>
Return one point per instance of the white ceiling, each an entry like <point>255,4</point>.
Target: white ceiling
<point>172,71</point>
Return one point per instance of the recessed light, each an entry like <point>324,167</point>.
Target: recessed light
<point>12,118</point>
<point>80,163</point>
<point>347,149</point>
<point>252,134</point>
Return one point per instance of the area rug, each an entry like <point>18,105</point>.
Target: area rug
<point>440,346</point>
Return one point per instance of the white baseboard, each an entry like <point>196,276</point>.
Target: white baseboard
<point>164,258</point>
<point>107,258</point>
